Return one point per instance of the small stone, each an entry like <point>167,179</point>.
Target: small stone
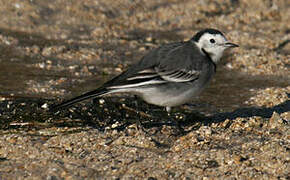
<point>83,173</point>
<point>12,140</point>
<point>225,123</point>
<point>119,141</point>
<point>44,106</point>
<point>142,49</point>
<point>238,159</point>
<point>208,131</point>
<point>274,121</point>
<point>118,69</point>
<point>149,39</point>
<point>101,101</point>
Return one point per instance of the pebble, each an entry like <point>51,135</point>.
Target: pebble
<point>275,120</point>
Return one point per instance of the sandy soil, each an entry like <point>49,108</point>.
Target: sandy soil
<point>48,47</point>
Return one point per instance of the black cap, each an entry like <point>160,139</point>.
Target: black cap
<point>197,36</point>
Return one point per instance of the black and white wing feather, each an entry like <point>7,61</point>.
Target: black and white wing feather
<point>177,75</point>
<point>157,75</point>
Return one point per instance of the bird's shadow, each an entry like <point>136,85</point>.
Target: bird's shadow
<point>158,117</point>
<point>249,112</point>
<point>113,111</point>
<point>246,112</point>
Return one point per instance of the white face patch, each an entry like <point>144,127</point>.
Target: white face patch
<point>213,44</point>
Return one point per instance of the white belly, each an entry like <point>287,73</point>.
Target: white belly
<point>168,99</point>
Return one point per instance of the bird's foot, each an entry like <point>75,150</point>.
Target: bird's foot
<point>175,122</point>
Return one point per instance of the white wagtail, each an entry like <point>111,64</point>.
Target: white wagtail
<point>169,75</point>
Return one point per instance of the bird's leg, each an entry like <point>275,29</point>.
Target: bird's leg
<point>139,113</point>
<point>135,102</point>
<point>174,120</point>
<point>137,109</point>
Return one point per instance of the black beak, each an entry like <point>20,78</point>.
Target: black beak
<point>230,45</point>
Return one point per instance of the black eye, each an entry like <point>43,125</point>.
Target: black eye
<point>212,40</point>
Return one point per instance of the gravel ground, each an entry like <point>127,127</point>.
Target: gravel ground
<point>51,49</point>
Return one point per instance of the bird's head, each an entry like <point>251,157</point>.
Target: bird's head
<point>213,43</point>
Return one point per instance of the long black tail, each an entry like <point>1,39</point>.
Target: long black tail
<point>88,95</point>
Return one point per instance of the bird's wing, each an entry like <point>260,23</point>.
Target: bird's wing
<point>177,75</point>
<point>157,75</point>
<point>176,62</point>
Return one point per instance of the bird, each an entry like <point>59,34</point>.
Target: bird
<point>169,75</point>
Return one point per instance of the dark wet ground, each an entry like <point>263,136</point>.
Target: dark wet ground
<point>228,90</point>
